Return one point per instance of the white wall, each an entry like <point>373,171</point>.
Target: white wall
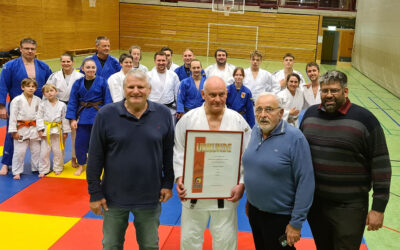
<point>376,49</point>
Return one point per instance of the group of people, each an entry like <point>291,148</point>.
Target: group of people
<point>132,123</point>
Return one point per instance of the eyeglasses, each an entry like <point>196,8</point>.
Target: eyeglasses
<point>333,91</point>
<point>267,110</point>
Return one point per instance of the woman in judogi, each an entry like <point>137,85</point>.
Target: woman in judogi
<point>292,98</point>
<point>116,80</point>
<point>240,97</point>
<point>88,95</point>
<point>63,80</point>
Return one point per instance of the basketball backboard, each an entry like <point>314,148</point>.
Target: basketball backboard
<point>228,6</point>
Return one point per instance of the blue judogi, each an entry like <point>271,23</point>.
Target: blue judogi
<point>111,66</point>
<point>189,97</point>
<point>242,102</point>
<point>98,92</point>
<point>181,72</point>
<point>10,82</point>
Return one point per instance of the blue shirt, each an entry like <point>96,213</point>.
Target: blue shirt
<point>242,102</point>
<point>278,172</point>
<point>14,72</point>
<point>189,97</point>
<point>136,155</point>
<point>111,66</point>
<point>181,72</point>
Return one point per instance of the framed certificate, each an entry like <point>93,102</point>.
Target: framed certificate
<point>211,165</point>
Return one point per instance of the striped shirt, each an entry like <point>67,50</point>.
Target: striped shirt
<point>349,154</point>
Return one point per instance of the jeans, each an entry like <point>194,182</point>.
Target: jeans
<point>146,222</point>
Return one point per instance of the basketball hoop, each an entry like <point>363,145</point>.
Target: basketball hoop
<point>228,6</point>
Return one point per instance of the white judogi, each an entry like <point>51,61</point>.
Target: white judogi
<point>289,101</point>
<point>60,81</point>
<point>309,98</point>
<point>64,90</point>
<point>164,93</point>
<point>115,83</point>
<point>223,223</point>
<point>226,74</point>
<point>20,110</point>
<point>47,114</point>
<point>280,74</point>
<point>142,67</point>
<point>173,67</point>
<point>263,82</point>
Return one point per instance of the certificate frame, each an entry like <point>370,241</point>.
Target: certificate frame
<point>212,161</point>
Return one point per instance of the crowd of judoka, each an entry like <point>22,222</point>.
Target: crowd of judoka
<point>67,100</point>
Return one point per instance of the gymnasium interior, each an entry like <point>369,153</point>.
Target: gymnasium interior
<point>358,37</point>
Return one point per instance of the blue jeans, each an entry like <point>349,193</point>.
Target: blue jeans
<point>146,222</point>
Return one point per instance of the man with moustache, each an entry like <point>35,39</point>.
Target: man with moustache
<point>221,68</point>
<point>277,158</point>
<point>350,156</point>
<point>132,141</point>
<point>212,115</point>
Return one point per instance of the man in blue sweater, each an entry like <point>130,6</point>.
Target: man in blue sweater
<point>278,177</point>
<point>132,141</point>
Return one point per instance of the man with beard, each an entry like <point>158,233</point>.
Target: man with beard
<point>277,158</point>
<point>221,68</point>
<point>349,156</point>
<point>311,90</point>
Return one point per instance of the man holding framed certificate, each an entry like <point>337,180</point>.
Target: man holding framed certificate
<point>209,141</point>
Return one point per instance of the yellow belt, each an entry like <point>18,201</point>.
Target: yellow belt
<point>48,128</point>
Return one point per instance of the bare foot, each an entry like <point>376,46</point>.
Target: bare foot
<point>41,175</point>
<point>4,170</point>
<point>74,163</point>
<point>79,171</point>
<point>57,172</point>
<point>17,177</point>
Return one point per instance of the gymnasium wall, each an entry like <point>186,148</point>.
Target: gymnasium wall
<point>154,26</point>
<point>58,25</point>
<point>376,51</point>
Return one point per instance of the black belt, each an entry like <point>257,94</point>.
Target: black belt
<point>171,105</point>
<point>220,203</point>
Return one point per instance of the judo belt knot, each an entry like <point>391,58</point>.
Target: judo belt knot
<point>89,105</point>
<point>48,128</point>
<point>21,124</point>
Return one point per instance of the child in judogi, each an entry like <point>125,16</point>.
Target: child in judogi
<point>53,128</point>
<point>23,109</point>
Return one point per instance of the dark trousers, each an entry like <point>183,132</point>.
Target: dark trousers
<point>8,149</point>
<point>267,228</point>
<point>82,142</point>
<point>337,226</point>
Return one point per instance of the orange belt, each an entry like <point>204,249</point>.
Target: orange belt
<point>21,124</point>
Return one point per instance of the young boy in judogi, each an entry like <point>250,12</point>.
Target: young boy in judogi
<point>23,109</point>
<point>53,128</point>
